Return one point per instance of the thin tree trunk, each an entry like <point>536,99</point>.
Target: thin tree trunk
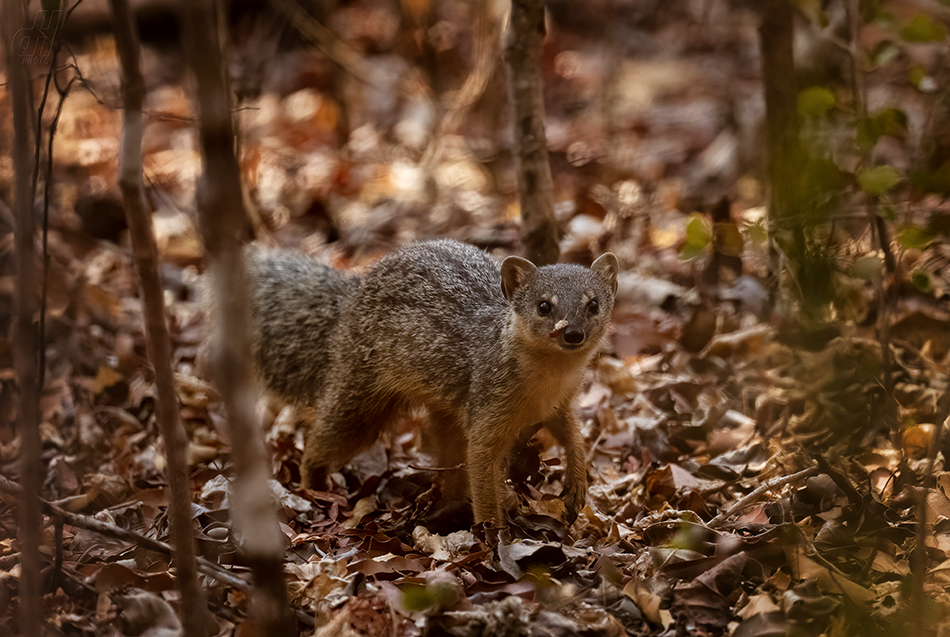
<point>25,343</point>
<point>880,236</point>
<point>194,609</point>
<point>526,94</point>
<point>223,224</point>
<point>776,33</point>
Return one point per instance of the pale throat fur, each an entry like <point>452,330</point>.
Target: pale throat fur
<point>549,376</point>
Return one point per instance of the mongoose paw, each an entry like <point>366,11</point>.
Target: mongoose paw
<point>452,515</point>
<point>313,478</point>
<point>574,500</point>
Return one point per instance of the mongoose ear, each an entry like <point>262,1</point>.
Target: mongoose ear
<point>607,267</point>
<point>514,272</point>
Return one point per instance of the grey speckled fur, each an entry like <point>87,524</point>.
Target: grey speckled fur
<point>438,324</point>
<point>295,305</point>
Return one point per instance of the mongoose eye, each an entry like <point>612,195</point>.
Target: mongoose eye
<point>544,308</point>
<point>593,307</point>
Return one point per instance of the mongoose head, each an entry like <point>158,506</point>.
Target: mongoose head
<point>561,307</point>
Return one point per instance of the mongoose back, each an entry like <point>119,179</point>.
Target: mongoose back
<point>488,351</point>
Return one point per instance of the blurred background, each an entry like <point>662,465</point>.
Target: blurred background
<point>773,307</point>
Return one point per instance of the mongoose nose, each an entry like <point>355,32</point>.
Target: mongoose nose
<point>573,335</point>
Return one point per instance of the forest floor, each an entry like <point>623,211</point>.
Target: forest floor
<point>752,472</point>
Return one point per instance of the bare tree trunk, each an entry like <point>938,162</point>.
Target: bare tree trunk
<point>776,33</point>
<point>880,236</point>
<point>25,343</point>
<point>526,94</point>
<point>223,223</point>
<point>194,608</point>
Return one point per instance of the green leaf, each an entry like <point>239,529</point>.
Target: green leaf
<point>891,121</point>
<point>689,251</point>
<point>914,237</point>
<point>886,51</point>
<point>697,230</point>
<point>698,236</point>
<point>921,281</point>
<point>923,28</point>
<point>815,101</point>
<point>428,597</point>
<point>415,597</point>
<point>819,177</point>
<point>757,232</point>
<point>878,180</point>
<point>867,134</point>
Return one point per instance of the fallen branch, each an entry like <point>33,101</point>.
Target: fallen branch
<point>111,530</point>
<point>757,493</point>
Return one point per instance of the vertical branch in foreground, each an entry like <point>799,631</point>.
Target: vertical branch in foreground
<point>880,236</point>
<point>194,608</point>
<point>223,224</point>
<point>776,32</point>
<point>25,344</point>
<point>526,93</point>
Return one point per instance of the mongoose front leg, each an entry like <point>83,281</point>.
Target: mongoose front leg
<point>485,460</point>
<point>566,429</point>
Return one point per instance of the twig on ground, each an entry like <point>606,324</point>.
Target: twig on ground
<point>757,493</point>
<point>111,530</point>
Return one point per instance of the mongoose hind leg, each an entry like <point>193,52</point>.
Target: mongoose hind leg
<point>347,422</point>
<point>445,440</point>
<point>444,436</point>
